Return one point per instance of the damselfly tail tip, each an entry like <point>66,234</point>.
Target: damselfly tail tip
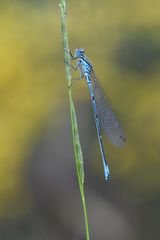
<point>107,178</point>
<point>106,173</point>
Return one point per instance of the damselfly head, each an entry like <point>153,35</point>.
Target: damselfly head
<point>79,52</point>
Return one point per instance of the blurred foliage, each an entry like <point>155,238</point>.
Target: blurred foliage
<point>122,40</point>
<point>27,83</point>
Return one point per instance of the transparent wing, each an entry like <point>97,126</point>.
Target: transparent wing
<point>107,118</point>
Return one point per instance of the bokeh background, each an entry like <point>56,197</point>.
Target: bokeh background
<point>39,196</point>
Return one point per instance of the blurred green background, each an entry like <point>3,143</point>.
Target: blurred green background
<point>39,196</point>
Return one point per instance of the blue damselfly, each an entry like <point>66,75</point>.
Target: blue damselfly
<point>104,116</point>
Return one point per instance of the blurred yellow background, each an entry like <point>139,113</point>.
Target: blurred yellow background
<point>122,40</point>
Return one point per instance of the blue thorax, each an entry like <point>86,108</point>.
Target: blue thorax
<point>83,62</point>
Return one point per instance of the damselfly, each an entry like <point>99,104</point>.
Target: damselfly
<point>104,115</point>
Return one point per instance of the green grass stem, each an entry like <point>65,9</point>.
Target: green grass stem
<point>74,125</point>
